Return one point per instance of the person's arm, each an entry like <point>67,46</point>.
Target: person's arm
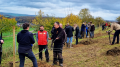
<point>111,28</point>
<point>47,36</point>
<point>17,38</point>
<point>37,37</point>
<point>32,39</point>
<point>72,29</point>
<point>60,35</point>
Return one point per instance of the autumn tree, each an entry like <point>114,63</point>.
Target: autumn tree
<point>72,19</point>
<point>6,24</point>
<point>85,15</point>
<point>99,21</point>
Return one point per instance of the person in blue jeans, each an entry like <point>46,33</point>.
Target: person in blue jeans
<point>69,31</point>
<point>25,39</point>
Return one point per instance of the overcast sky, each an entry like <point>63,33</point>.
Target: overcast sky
<point>107,9</point>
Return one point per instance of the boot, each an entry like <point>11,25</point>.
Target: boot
<point>47,60</point>
<point>55,61</point>
<point>61,62</point>
<point>71,45</point>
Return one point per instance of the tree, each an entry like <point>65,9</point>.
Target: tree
<point>118,18</point>
<point>85,15</point>
<point>99,21</point>
<point>72,19</point>
<point>6,24</point>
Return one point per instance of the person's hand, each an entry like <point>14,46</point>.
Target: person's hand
<point>57,38</point>
<point>112,34</point>
<point>2,41</point>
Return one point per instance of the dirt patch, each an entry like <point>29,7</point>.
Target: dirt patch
<point>113,52</point>
<point>100,34</point>
<point>87,42</point>
<point>44,64</point>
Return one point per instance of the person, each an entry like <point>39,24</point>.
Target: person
<point>106,24</point>
<point>77,33</point>
<point>69,31</point>
<point>42,39</point>
<point>116,27</point>
<point>89,27</point>
<point>103,26</point>
<point>1,42</point>
<point>65,38</point>
<point>83,29</point>
<point>25,40</point>
<point>86,31</point>
<point>92,30</point>
<point>58,37</point>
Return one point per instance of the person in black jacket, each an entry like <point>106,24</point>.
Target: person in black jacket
<point>69,31</point>
<point>92,29</point>
<point>77,33</point>
<point>58,37</point>
<point>1,42</point>
<point>26,40</point>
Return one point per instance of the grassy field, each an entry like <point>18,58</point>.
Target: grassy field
<point>92,55</point>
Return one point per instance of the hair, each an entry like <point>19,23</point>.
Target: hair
<point>41,26</point>
<point>25,25</point>
<point>118,22</point>
<point>90,21</point>
<point>57,23</point>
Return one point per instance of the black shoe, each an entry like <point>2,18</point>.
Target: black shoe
<point>47,60</point>
<point>61,65</point>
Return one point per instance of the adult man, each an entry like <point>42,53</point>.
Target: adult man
<point>83,29</point>
<point>69,31</point>
<point>1,42</point>
<point>77,33</point>
<point>92,29</point>
<point>116,27</point>
<point>58,37</point>
<point>25,40</point>
<point>42,39</point>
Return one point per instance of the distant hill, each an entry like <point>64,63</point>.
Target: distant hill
<point>11,15</point>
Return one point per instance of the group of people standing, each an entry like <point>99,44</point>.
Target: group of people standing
<point>59,37</point>
<point>87,29</point>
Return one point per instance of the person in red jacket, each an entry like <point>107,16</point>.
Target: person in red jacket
<point>42,39</point>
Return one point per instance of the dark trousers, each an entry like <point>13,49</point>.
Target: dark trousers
<point>76,40</point>
<point>57,53</point>
<point>116,35</point>
<point>41,47</point>
<point>0,57</point>
<point>82,33</point>
<point>30,55</point>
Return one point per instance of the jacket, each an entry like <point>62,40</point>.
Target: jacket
<point>25,39</point>
<point>77,31</point>
<point>83,27</point>
<point>69,31</point>
<point>115,26</point>
<point>58,33</point>
<point>92,27</point>
<point>42,37</point>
